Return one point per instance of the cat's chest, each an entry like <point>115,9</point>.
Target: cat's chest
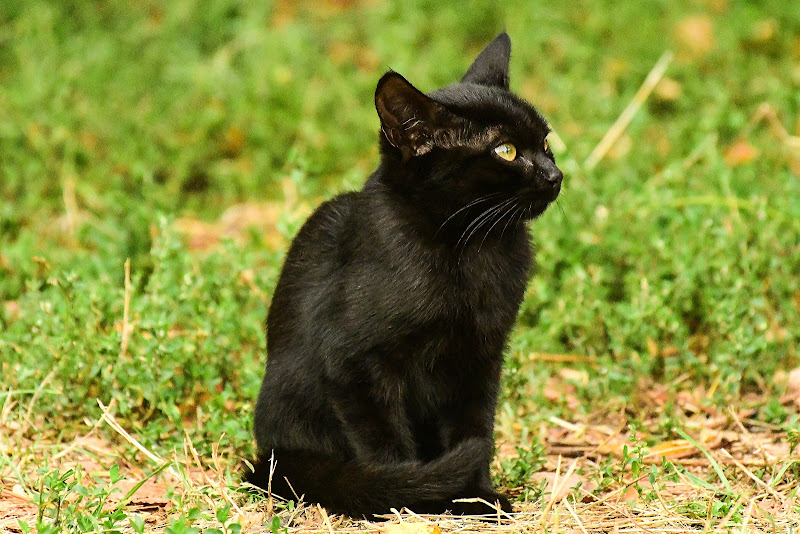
<point>488,282</point>
<point>430,292</point>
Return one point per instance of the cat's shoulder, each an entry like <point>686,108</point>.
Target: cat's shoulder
<point>330,216</point>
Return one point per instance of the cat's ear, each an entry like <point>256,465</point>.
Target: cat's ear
<point>491,65</point>
<point>409,118</point>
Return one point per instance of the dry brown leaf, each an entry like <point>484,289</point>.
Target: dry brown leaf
<point>505,449</point>
<point>763,37</point>
<point>556,389</point>
<point>234,223</point>
<point>615,69</point>
<point>658,395</point>
<point>630,494</point>
<point>717,6</point>
<point>668,90</point>
<point>695,35</point>
<point>12,309</point>
<point>775,449</point>
<point>614,445</point>
<point>739,153</point>
<point>691,401</point>
<point>285,11</point>
<point>713,438</point>
<point>14,505</point>
<point>663,487</point>
<point>564,485</point>
<point>152,492</point>
<point>793,383</point>
<point>360,56</point>
<point>232,142</point>
<point>669,351</point>
<point>578,376</point>
<point>556,434</point>
<point>676,448</point>
<point>765,30</point>
<point>652,348</point>
<point>340,52</point>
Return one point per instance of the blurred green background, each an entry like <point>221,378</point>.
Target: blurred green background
<point>132,129</point>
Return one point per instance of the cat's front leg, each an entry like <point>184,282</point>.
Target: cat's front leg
<point>475,418</point>
<point>374,423</point>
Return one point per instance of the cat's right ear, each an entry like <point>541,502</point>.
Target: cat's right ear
<point>491,65</point>
<point>408,117</point>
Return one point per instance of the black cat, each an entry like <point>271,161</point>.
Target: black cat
<point>386,332</point>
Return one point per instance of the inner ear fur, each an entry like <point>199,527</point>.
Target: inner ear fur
<point>409,118</point>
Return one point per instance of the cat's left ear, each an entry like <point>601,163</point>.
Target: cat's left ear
<point>410,120</point>
<point>491,65</point>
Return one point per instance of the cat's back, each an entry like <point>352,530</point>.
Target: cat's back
<point>310,262</point>
<point>323,226</point>
<point>319,238</point>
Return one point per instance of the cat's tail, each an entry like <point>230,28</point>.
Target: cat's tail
<point>361,489</point>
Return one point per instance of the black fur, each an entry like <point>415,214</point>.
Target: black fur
<point>386,332</point>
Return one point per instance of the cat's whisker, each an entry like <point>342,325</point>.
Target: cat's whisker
<point>480,199</point>
<point>506,212</point>
<point>477,221</point>
<point>520,217</point>
<point>487,218</point>
<point>564,213</point>
<point>505,226</point>
<point>484,219</point>
<point>517,210</point>
<point>523,214</point>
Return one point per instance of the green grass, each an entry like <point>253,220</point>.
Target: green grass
<point>666,264</point>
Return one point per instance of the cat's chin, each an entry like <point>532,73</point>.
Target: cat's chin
<point>536,208</point>
<point>540,199</point>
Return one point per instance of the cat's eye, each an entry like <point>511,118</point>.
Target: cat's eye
<point>507,151</point>
<point>546,145</point>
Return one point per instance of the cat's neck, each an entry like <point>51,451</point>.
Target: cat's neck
<point>431,212</point>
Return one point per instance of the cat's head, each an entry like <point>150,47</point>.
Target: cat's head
<point>470,139</point>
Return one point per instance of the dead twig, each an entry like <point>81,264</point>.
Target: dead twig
<point>127,327</point>
<point>624,119</point>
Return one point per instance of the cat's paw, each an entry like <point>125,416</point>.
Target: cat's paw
<point>505,504</point>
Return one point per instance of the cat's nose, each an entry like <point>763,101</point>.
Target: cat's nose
<point>554,176</point>
<point>548,171</point>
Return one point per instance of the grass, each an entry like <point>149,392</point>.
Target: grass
<point>649,380</point>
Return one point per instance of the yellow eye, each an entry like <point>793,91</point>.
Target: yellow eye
<point>546,145</point>
<point>507,151</point>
